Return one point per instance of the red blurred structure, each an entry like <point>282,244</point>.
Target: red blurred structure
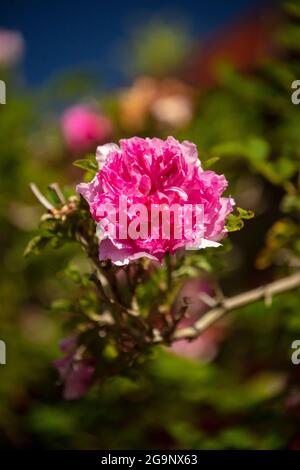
<point>243,43</point>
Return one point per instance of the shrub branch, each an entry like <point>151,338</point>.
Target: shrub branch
<point>232,303</point>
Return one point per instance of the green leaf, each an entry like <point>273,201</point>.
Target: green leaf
<point>286,167</point>
<point>35,245</point>
<point>86,164</point>
<point>210,162</point>
<point>244,214</point>
<point>73,273</point>
<point>258,148</point>
<point>293,8</point>
<point>290,203</point>
<point>61,305</point>
<point>235,222</point>
<point>254,149</point>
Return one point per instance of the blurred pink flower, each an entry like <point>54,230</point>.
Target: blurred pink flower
<point>153,171</point>
<point>82,128</point>
<point>11,47</point>
<point>76,372</point>
<point>206,346</point>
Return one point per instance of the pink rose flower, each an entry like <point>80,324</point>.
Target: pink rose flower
<point>83,128</point>
<point>76,372</point>
<point>148,172</point>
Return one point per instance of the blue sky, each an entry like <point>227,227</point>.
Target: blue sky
<point>62,35</point>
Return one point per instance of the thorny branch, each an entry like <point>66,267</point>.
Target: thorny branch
<point>232,303</point>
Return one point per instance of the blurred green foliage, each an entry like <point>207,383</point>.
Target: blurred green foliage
<point>157,48</point>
